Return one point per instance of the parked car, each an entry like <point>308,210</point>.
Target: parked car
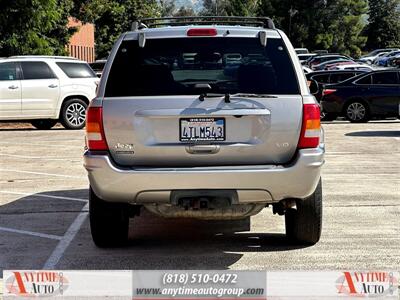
<point>45,90</point>
<point>319,59</point>
<point>384,59</point>
<point>396,62</point>
<point>301,50</point>
<point>374,94</point>
<point>392,61</point>
<point>330,77</point>
<point>352,66</point>
<point>306,70</point>
<point>98,66</point>
<point>370,57</point>
<point>320,52</point>
<point>333,76</point>
<point>330,63</point>
<point>191,142</point>
<point>305,57</point>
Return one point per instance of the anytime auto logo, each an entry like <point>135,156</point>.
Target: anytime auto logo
<point>367,284</point>
<point>36,283</point>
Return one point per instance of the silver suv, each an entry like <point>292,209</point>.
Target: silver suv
<point>209,120</point>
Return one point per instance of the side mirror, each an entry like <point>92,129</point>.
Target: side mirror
<point>314,87</point>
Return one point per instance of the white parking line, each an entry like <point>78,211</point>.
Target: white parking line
<point>44,196</point>
<point>37,157</point>
<point>42,173</point>
<point>68,237</point>
<point>38,234</point>
<point>45,145</point>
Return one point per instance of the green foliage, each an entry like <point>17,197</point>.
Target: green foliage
<point>167,8</point>
<point>335,25</point>
<point>383,29</point>
<point>40,26</point>
<point>34,27</point>
<point>184,12</point>
<point>113,17</point>
<point>343,27</point>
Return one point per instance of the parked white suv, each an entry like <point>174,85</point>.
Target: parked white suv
<point>45,90</point>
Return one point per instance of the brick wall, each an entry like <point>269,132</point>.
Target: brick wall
<point>82,42</point>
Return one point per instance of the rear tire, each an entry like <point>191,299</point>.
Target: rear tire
<point>73,114</point>
<point>304,224</point>
<point>109,222</point>
<point>357,112</point>
<point>44,124</point>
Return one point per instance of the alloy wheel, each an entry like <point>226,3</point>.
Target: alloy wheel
<point>76,114</point>
<point>356,111</point>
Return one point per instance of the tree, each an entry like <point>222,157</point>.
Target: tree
<point>241,8</point>
<point>113,17</point>
<point>34,27</point>
<point>184,12</point>
<point>214,7</point>
<point>167,8</point>
<point>383,29</point>
<point>334,25</point>
<point>343,26</point>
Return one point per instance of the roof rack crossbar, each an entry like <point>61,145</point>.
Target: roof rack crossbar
<point>204,23</point>
<point>212,20</point>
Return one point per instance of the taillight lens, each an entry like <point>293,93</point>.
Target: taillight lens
<point>326,92</point>
<point>311,127</point>
<point>95,139</point>
<point>202,32</point>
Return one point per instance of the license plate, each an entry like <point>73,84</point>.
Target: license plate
<point>201,129</point>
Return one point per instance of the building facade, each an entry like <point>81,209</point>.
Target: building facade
<point>81,43</point>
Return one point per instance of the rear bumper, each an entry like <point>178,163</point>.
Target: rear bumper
<point>253,184</point>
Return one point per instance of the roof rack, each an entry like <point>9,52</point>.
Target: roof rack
<point>43,56</point>
<point>264,22</point>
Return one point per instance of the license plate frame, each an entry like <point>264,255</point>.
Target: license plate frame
<point>217,122</point>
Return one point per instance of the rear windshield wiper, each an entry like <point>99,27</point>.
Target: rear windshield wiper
<point>204,89</point>
<point>227,96</point>
<point>249,95</point>
<point>212,95</point>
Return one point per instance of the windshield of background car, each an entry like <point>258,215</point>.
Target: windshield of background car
<point>175,66</point>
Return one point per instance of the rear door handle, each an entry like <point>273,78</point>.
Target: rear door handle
<point>52,86</point>
<point>202,149</point>
<point>13,87</point>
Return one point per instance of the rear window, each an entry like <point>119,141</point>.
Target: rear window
<point>176,66</point>
<point>76,70</point>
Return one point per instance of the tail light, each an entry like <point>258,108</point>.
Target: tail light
<point>311,127</point>
<point>95,139</point>
<point>202,32</point>
<point>326,92</point>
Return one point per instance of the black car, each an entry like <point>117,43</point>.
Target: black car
<point>372,95</point>
<point>330,77</point>
<point>333,76</point>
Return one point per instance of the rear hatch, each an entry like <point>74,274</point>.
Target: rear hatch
<point>184,102</point>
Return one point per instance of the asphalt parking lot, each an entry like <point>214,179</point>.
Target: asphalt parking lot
<point>44,224</point>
